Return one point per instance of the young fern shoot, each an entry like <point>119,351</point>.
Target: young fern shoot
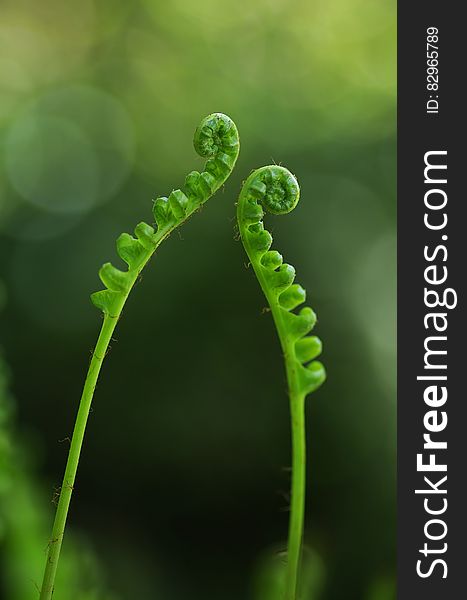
<point>277,190</point>
<point>216,139</point>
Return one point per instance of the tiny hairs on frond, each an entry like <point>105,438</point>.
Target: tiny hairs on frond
<point>275,189</point>
<point>216,139</point>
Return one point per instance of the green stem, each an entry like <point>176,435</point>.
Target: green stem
<point>297,503</point>
<point>298,435</point>
<point>98,356</point>
<point>297,415</point>
<point>58,530</point>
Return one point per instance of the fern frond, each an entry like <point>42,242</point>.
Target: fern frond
<point>216,139</point>
<point>277,190</point>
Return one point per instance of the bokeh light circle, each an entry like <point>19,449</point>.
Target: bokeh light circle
<point>70,149</point>
<point>52,164</point>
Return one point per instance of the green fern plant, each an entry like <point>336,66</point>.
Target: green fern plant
<point>277,190</point>
<point>216,139</point>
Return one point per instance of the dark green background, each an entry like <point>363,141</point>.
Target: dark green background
<point>182,480</point>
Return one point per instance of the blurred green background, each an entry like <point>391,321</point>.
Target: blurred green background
<point>183,481</point>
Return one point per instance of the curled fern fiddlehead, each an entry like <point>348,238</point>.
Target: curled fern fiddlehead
<point>277,190</point>
<point>216,139</point>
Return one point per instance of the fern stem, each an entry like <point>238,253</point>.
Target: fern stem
<point>298,435</point>
<point>98,356</point>
<point>58,530</point>
<point>297,503</point>
<point>297,421</point>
